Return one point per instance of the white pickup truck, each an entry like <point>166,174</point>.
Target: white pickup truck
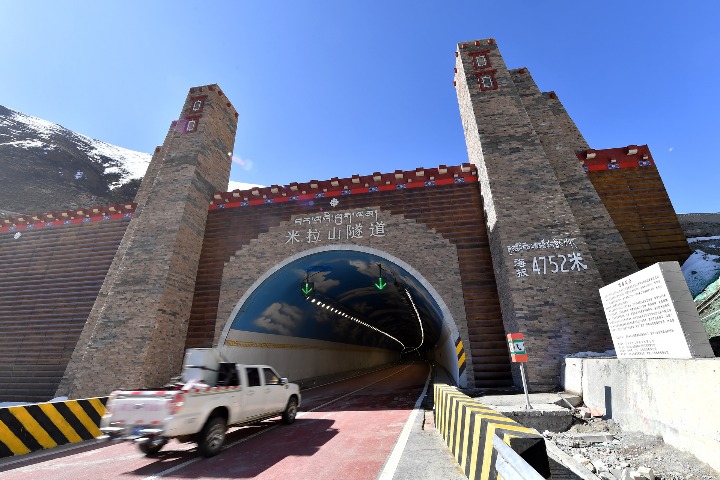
<point>210,396</point>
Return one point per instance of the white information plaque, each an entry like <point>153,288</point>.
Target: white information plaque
<point>652,315</point>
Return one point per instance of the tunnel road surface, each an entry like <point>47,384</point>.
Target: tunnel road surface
<point>346,430</point>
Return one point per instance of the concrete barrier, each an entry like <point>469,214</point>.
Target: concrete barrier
<point>673,398</point>
<point>468,428</point>
<point>27,428</point>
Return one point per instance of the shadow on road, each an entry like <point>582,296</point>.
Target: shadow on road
<point>248,459</point>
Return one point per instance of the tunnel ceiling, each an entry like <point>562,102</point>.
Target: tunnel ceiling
<point>345,303</point>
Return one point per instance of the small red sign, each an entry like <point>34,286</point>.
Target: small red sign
<point>516,345</point>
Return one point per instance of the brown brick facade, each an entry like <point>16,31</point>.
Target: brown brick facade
<point>558,309</point>
<point>133,336</point>
<point>452,211</point>
<point>518,240</point>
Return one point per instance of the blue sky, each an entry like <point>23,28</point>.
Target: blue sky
<point>328,89</point>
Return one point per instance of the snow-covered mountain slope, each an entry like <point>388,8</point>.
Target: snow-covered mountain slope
<point>47,167</point>
<point>702,268</point>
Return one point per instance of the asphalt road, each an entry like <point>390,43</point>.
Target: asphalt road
<point>346,429</point>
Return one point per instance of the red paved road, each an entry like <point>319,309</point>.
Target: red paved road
<point>346,430</point>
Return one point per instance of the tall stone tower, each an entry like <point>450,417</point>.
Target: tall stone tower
<point>553,243</point>
<point>136,330</point>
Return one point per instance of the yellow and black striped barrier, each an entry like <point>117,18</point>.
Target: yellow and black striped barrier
<point>468,428</point>
<point>460,350</point>
<point>27,428</point>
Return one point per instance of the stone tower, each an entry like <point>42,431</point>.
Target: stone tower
<point>136,330</point>
<point>545,228</point>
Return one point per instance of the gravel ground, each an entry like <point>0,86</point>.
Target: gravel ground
<point>630,449</point>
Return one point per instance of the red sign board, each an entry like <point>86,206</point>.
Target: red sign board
<point>516,345</point>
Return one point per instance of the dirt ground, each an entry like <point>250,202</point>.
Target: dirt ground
<point>632,449</point>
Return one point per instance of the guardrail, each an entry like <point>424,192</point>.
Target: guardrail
<point>511,466</point>
<point>485,442</point>
<point>27,428</point>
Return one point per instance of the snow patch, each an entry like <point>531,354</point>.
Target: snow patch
<point>702,239</point>
<point>700,270</point>
<point>607,353</point>
<point>26,144</point>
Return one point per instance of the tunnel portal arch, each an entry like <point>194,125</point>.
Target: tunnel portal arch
<point>420,251</point>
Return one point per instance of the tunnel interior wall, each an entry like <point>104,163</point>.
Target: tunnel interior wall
<point>446,355</point>
<point>299,358</point>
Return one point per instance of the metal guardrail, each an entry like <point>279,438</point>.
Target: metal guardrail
<point>510,465</point>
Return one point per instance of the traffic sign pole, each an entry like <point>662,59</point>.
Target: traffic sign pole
<point>524,380</point>
<point>516,345</point>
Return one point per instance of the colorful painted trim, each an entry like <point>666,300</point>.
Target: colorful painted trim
<point>355,185</point>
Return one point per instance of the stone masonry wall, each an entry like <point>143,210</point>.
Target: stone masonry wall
<point>136,336</point>
<point>612,257</point>
<point>453,211</point>
<point>433,256</point>
<point>558,308</point>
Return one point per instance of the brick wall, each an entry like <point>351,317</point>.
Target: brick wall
<point>604,242</point>
<point>49,280</point>
<point>558,309</point>
<point>134,336</point>
<point>452,211</point>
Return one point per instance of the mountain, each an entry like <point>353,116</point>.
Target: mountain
<point>46,167</point>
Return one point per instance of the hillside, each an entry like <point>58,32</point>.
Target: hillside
<point>46,167</point>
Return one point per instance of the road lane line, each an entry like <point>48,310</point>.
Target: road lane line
<point>388,471</point>
<point>237,442</point>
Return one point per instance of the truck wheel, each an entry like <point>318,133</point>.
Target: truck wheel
<point>212,437</point>
<point>290,412</point>
<point>150,447</point>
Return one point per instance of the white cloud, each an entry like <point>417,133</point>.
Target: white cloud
<point>233,185</point>
<point>281,318</point>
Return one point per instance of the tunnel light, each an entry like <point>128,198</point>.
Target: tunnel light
<point>417,314</point>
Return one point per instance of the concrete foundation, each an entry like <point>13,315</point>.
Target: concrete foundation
<point>671,398</point>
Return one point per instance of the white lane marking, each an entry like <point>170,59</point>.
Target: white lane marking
<point>237,442</point>
<point>348,378</point>
<point>388,471</point>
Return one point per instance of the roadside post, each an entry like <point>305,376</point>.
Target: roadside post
<point>516,345</point>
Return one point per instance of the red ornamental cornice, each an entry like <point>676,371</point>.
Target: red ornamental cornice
<point>355,185</point>
<point>66,217</point>
<point>632,156</point>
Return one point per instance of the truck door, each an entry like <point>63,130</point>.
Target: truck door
<point>274,390</point>
<point>254,393</point>
<point>229,375</point>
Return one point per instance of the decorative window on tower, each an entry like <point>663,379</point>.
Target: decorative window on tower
<point>191,126</point>
<point>486,80</point>
<point>197,105</point>
<point>480,61</point>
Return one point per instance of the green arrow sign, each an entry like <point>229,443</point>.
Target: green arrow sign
<point>307,288</point>
<point>381,283</point>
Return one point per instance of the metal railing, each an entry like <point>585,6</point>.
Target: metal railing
<point>510,465</point>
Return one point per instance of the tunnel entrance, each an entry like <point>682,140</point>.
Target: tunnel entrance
<point>340,308</point>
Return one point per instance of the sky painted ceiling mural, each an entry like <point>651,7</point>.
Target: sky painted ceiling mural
<point>346,286</point>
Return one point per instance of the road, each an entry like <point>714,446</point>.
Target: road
<point>345,429</point>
